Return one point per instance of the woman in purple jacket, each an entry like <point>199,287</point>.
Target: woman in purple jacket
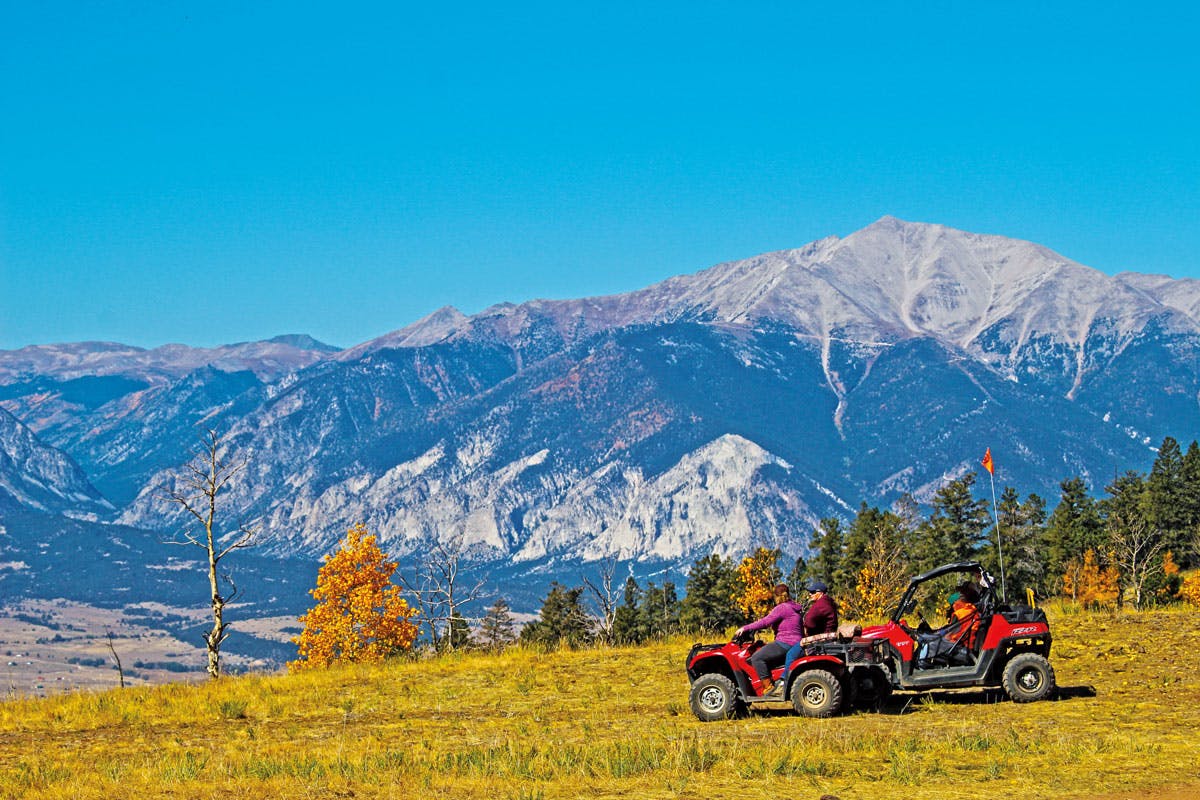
<point>786,618</point>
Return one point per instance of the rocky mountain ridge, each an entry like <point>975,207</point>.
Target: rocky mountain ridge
<point>707,413</point>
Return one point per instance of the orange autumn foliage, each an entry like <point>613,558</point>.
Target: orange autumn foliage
<point>359,615</point>
<point>1091,585</point>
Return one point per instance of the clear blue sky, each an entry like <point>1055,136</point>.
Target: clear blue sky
<point>217,172</point>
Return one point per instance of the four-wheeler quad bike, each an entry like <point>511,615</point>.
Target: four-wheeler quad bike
<point>996,646</point>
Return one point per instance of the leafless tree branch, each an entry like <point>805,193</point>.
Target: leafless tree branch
<point>606,597</point>
<point>438,591</point>
<point>207,475</point>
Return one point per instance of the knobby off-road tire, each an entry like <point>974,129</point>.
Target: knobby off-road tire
<point>714,697</point>
<point>817,693</point>
<point>1028,677</point>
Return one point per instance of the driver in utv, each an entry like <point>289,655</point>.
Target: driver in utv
<point>787,620</point>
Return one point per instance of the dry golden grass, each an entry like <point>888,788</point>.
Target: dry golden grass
<point>615,723</point>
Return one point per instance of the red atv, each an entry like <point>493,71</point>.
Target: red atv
<point>836,669</point>
<point>992,645</point>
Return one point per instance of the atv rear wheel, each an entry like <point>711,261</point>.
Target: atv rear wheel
<point>817,693</point>
<point>714,697</point>
<point>1028,677</point>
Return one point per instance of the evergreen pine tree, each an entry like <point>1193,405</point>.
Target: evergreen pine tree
<point>1189,554</point>
<point>966,518</point>
<point>1127,497</point>
<point>626,623</point>
<point>797,579</point>
<point>954,532</point>
<point>658,615</point>
<point>562,621</point>
<point>496,629</point>
<point>872,529</point>
<point>828,546</point>
<point>1074,528</point>
<point>458,634</point>
<point>1023,526</point>
<point>854,554</point>
<point>708,603</point>
<point>1163,505</point>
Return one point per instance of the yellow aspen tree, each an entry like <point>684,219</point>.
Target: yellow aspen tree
<point>360,615</point>
<point>880,582</point>
<point>757,576</point>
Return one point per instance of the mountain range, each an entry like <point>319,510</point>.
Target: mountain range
<point>711,412</point>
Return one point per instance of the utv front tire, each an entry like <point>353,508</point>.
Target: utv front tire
<point>714,697</point>
<point>1028,677</point>
<point>817,693</point>
<point>871,688</point>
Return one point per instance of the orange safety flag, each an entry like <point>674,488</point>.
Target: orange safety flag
<point>987,462</point>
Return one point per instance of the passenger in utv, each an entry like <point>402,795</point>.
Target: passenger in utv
<point>821,617</point>
<point>963,616</point>
<point>785,619</point>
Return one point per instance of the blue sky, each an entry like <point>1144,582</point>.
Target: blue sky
<point>218,172</point>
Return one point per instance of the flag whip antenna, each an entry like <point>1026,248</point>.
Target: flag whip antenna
<point>990,466</point>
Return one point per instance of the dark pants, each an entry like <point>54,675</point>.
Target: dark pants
<point>768,656</point>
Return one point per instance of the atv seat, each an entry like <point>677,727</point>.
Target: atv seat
<point>846,632</point>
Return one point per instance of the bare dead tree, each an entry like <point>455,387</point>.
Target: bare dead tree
<point>1193,542</point>
<point>439,593</point>
<point>196,489</point>
<point>1135,545</point>
<point>116,658</point>
<point>606,596</point>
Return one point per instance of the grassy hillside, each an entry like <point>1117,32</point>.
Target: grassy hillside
<point>615,723</point>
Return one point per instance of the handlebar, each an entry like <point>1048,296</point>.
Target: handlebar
<point>745,637</point>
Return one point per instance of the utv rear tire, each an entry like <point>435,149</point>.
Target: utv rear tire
<point>871,688</point>
<point>1028,677</point>
<point>714,697</point>
<point>817,693</point>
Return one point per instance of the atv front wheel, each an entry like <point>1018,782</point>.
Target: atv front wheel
<point>714,697</point>
<point>817,693</point>
<point>1028,677</point>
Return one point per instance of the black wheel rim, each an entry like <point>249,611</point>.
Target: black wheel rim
<point>1029,680</point>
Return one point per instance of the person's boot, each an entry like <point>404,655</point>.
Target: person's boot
<point>768,687</point>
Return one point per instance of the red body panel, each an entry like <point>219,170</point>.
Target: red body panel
<point>895,634</point>
<point>738,658</point>
<point>1002,629</point>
